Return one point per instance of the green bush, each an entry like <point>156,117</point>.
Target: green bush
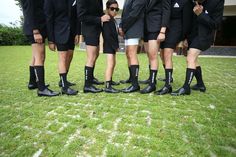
<point>12,36</point>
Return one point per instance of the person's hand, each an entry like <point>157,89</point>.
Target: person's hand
<point>105,18</point>
<point>121,32</point>
<point>52,46</point>
<point>198,9</point>
<point>161,37</point>
<point>38,38</point>
<point>185,43</point>
<point>77,38</point>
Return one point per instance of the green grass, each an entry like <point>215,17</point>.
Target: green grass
<point>130,125</point>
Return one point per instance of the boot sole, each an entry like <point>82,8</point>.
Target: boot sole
<point>42,95</point>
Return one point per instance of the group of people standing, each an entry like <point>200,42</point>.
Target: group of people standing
<point>162,24</point>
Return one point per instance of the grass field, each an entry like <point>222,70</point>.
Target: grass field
<point>129,125</point>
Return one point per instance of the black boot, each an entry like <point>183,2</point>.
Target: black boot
<point>134,79</point>
<point>88,87</point>
<point>152,85</point>
<point>185,90</point>
<point>167,87</point>
<point>109,88</point>
<point>128,80</point>
<point>164,90</point>
<point>68,82</point>
<point>113,83</point>
<point>95,80</point>
<point>165,79</point>
<point>65,89</point>
<point>42,89</point>
<point>200,86</point>
<point>32,79</point>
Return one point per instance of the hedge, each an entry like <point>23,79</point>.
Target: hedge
<point>12,36</point>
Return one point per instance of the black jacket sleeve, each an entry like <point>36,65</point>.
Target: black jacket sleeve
<point>49,12</point>
<point>137,8</point>
<point>166,11</point>
<point>187,18</point>
<point>78,27</point>
<point>34,7</point>
<point>214,19</point>
<point>106,32</point>
<point>30,11</point>
<point>83,13</point>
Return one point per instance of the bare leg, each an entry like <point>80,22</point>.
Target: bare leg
<point>190,72</point>
<point>92,54</point>
<point>111,62</point>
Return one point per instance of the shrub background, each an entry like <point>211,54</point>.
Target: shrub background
<point>12,36</point>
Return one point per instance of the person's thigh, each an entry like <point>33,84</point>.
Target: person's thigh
<point>192,57</point>
<point>153,47</point>
<point>132,54</point>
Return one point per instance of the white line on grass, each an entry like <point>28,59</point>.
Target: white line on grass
<point>112,135</point>
<point>72,137</point>
<point>211,106</point>
<point>229,149</point>
<point>38,153</point>
<point>212,154</point>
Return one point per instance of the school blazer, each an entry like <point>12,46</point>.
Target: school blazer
<point>209,20</point>
<point>157,14</point>
<point>61,20</point>
<point>110,34</point>
<point>132,19</point>
<point>34,17</point>
<point>187,16</point>
<point>90,13</point>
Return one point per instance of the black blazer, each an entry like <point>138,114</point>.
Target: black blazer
<point>210,19</point>
<point>62,20</point>
<point>157,14</point>
<point>187,16</point>
<point>132,19</point>
<point>34,17</point>
<point>110,35</point>
<point>90,13</point>
<point>184,13</point>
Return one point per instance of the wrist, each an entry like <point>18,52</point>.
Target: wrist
<point>50,42</point>
<point>36,31</point>
<point>162,32</point>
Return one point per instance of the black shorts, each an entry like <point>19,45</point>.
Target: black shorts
<point>70,45</point>
<point>152,35</point>
<point>173,35</point>
<point>92,40</point>
<point>202,45</point>
<point>109,50</point>
<point>145,37</point>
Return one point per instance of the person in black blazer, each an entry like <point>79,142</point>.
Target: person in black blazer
<point>157,17</point>
<point>62,23</point>
<point>208,15</point>
<point>35,29</point>
<point>92,16</point>
<point>179,27</point>
<point>110,44</point>
<point>131,26</point>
